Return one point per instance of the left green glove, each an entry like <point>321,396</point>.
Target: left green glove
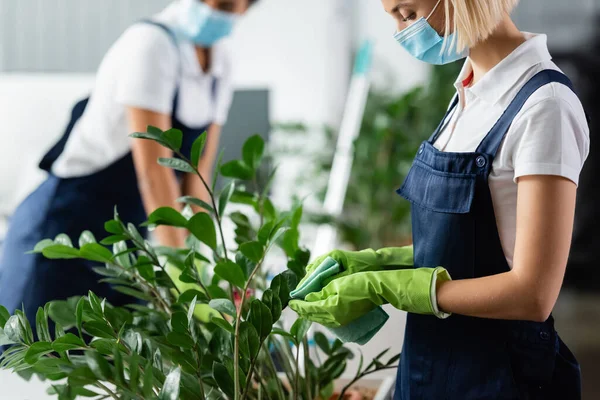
<point>349,297</point>
<point>351,262</point>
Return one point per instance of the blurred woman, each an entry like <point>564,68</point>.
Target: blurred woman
<point>171,71</point>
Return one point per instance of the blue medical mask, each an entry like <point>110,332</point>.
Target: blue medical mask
<point>204,25</point>
<point>425,44</point>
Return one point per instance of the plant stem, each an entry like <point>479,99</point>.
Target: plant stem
<point>359,377</point>
<point>306,369</point>
<point>297,381</point>
<point>107,390</point>
<point>154,260</point>
<point>273,370</point>
<point>212,200</point>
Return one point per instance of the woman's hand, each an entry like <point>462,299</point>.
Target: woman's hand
<point>157,184</point>
<point>545,214</point>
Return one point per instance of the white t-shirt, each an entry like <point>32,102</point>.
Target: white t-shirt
<point>549,136</point>
<point>143,69</point>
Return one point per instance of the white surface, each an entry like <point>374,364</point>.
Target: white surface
<point>549,136</point>
<point>15,388</point>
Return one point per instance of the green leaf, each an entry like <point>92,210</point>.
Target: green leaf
<point>95,304</point>
<point>202,227</point>
<point>176,164</point>
<point>300,329</point>
<point>79,315</point>
<point>181,340</point>
<point>99,329</point>
<point>104,346</point>
<point>121,254</point>
<point>63,239</point>
<point>185,360</point>
<point>170,389</point>
<point>249,340</point>
<point>231,272</point>
<point>322,342</point>
<point>83,392</point>
<point>197,149</point>
<point>95,252</point>
<point>145,268</point>
<point>110,240</point>
<point>4,340</point>
<point>60,252</point>
<point>225,196</point>
<point>58,331</point>
<point>36,351</point>
<point>167,216</point>
<point>223,379</point>
<point>41,325</point>
<point>86,237</point>
<point>119,368</point>
<point>61,312</point>
<point>240,197</point>
<point>148,381</point>
<point>392,360</point>
<point>134,372</point>
<point>223,305</point>
<point>260,317</point>
<point>135,234</point>
<point>179,322</point>
<point>25,326</point>
<point>217,169</point>
<point>48,366</point>
<point>221,323</point>
<point>216,292</point>
<point>252,151</point>
<point>154,134</point>
<point>188,295</point>
<point>190,314</point>
<point>98,365</point>
<point>289,242</point>
<point>133,293</point>
<point>265,232</point>
<point>113,227</point>
<point>196,202</point>
<point>173,138</point>
<point>272,301</point>
<point>4,316</point>
<point>42,245</point>
<point>68,342</point>
<point>253,250</point>
<point>157,360</point>
<point>281,332</point>
<point>237,169</point>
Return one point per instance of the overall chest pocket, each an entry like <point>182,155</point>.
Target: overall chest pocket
<point>439,191</point>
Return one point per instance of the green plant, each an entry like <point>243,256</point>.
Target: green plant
<point>167,345</point>
<point>392,129</point>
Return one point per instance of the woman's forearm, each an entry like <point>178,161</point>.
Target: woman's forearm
<point>502,296</point>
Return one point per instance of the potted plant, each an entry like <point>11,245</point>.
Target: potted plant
<point>203,327</point>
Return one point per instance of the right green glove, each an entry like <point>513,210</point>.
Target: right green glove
<point>346,298</point>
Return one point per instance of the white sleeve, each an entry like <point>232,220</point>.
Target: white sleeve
<point>550,138</point>
<point>149,73</point>
<point>224,93</point>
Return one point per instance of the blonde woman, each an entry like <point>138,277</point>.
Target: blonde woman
<point>493,199</point>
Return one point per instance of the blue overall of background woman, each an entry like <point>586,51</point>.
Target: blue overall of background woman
<point>172,70</point>
<point>493,199</point>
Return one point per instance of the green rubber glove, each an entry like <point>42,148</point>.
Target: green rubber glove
<point>349,297</point>
<point>351,262</point>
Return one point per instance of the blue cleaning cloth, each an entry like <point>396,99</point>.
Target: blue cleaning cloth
<point>362,329</point>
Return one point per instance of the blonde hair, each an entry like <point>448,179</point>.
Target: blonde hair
<point>475,20</point>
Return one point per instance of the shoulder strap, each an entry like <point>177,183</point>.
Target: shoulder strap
<point>494,138</point>
<point>444,121</point>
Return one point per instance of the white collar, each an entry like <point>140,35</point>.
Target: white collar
<point>500,79</point>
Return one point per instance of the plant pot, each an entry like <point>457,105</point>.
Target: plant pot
<point>367,389</point>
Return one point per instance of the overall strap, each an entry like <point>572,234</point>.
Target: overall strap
<point>491,143</point>
<point>444,121</point>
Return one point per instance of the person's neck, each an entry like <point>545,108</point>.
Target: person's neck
<point>204,58</point>
<point>487,54</point>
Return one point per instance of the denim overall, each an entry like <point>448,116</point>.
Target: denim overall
<point>454,226</point>
<point>70,206</point>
